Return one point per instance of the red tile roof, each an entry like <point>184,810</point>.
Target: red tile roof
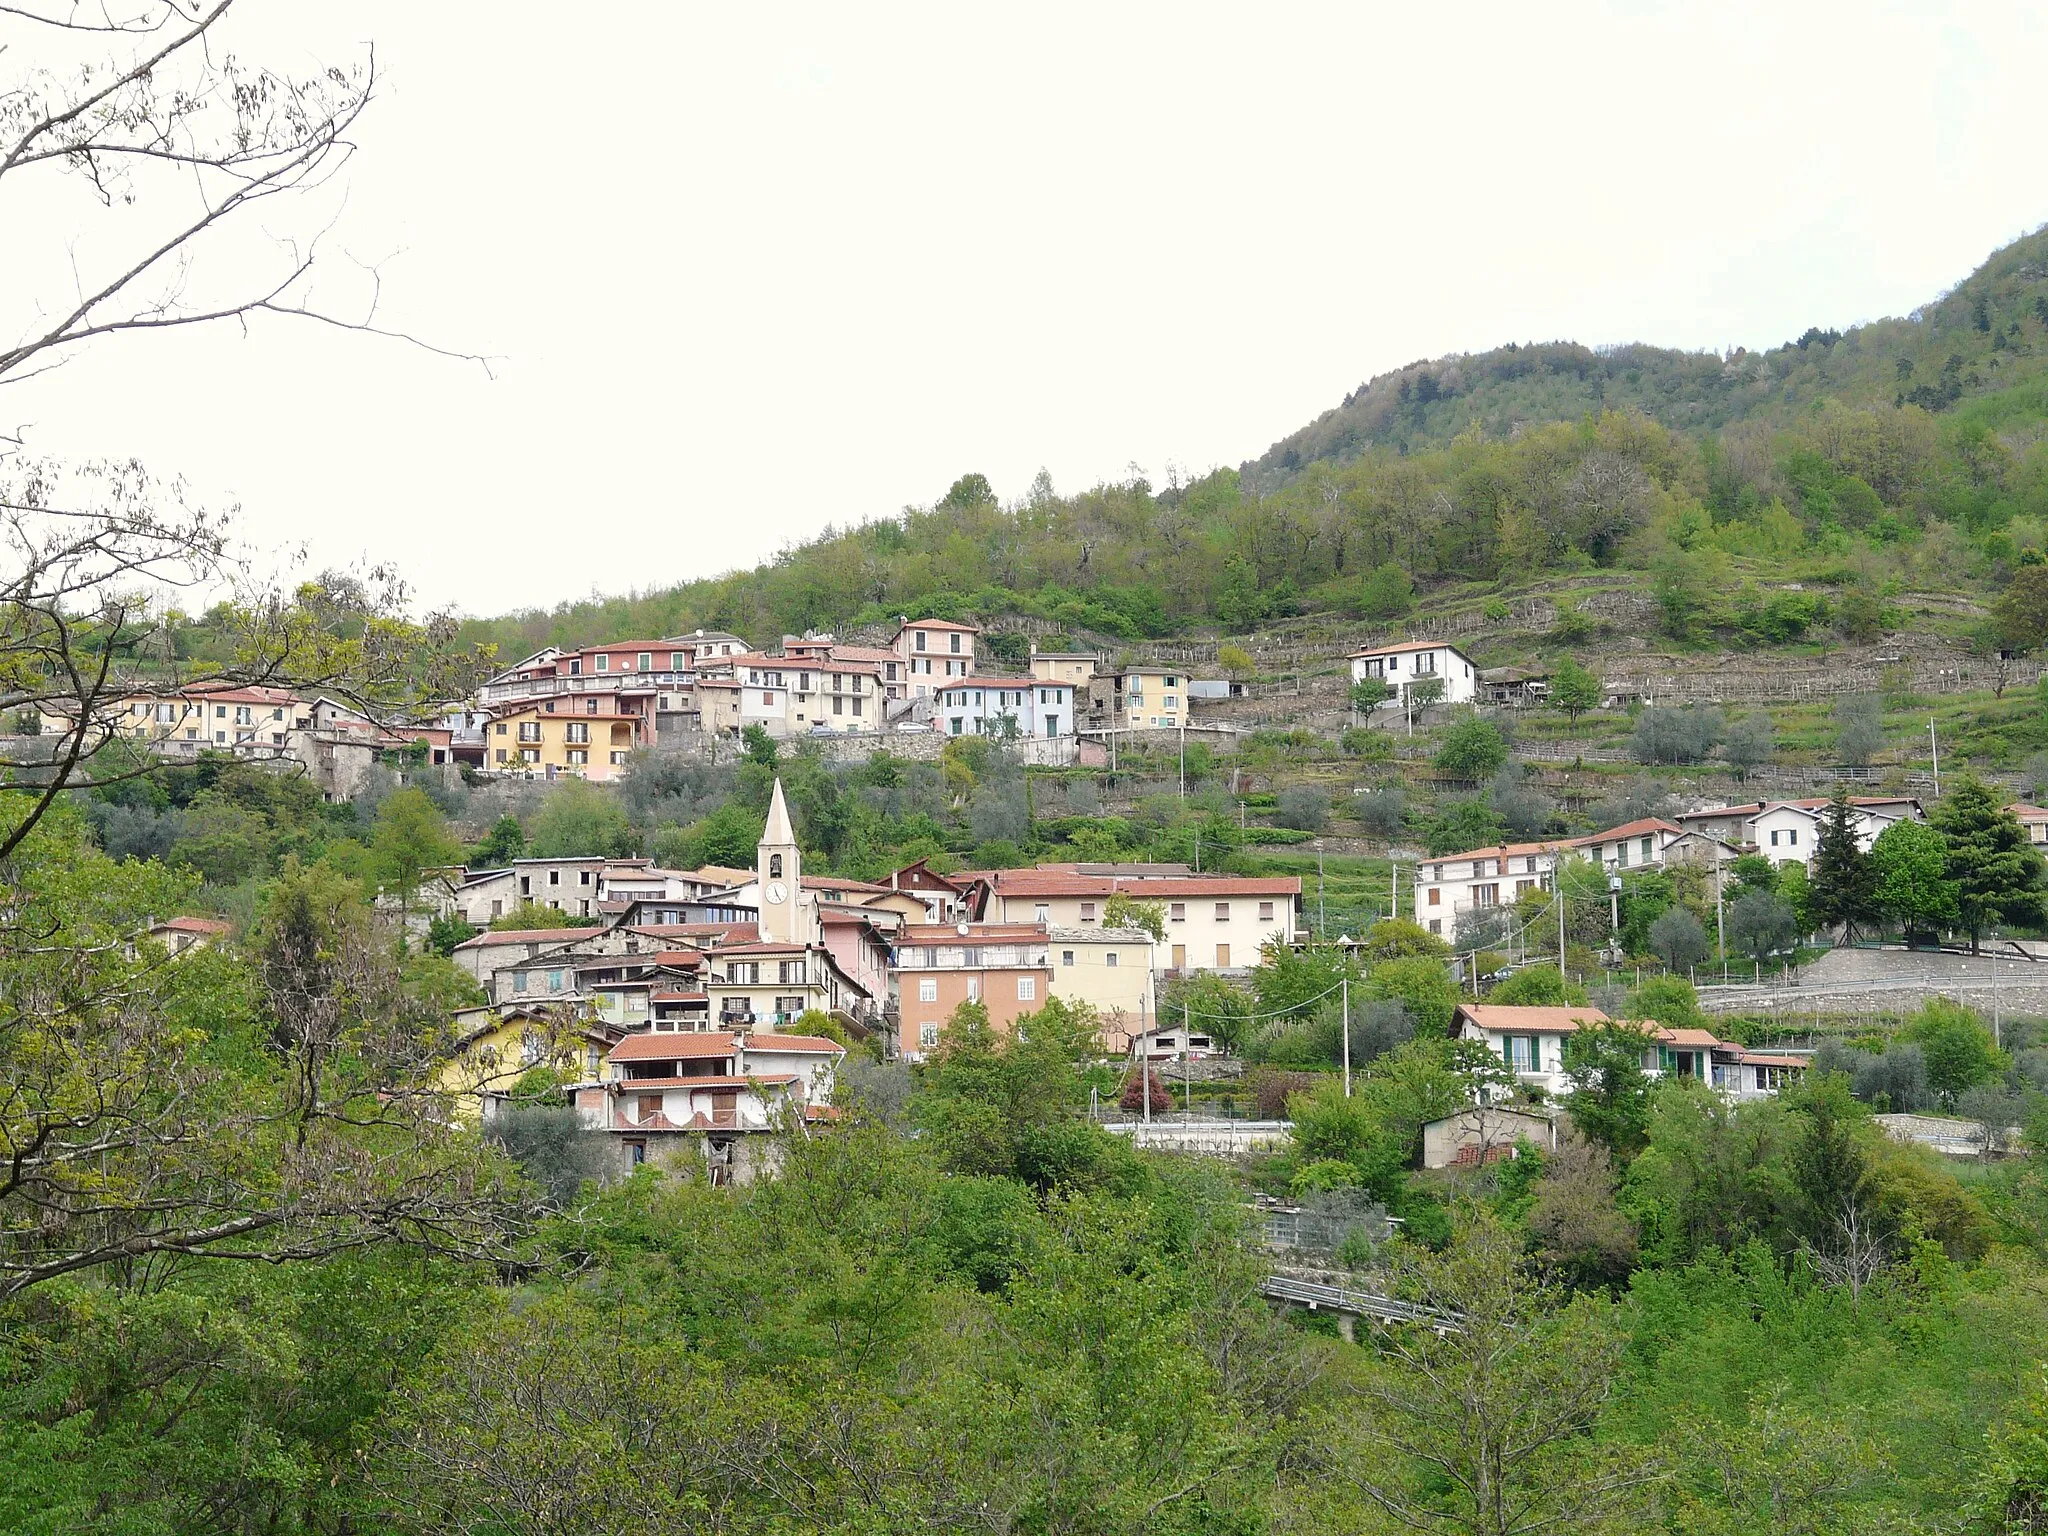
<point>528,936</point>
<point>1502,1018</point>
<point>1035,882</point>
<point>739,933</point>
<point>209,925</point>
<point>972,629</point>
<point>1404,647</point>
<point>634,1084</point>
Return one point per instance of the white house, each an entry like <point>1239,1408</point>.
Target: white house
<point>1032,706</point>
<point>1737,823</point>
<point>1788,830</point>
<point>1412,661</point>
<point>1529,1040</point>
<point>1213,922</point>
<point>1449,888</point>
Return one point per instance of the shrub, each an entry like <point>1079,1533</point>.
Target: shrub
<point>1132,1101</point>
<point>1302,807</point>
<point>1366,745</point>
<point>1386,592</point>
<point>1381,810</point>
<point>1271,1089</point>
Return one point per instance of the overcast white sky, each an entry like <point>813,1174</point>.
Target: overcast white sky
<point>750,270</point>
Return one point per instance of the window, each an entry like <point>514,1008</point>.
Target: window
<point>589,708</point>
<point>578,757</point>
<point>529,730</point>
<point>519,981</point>
<point>554,981</point>
<point>789,1007</point>
<point>501,728</point>
<point>1485,895</point>
<point>974,989</point>
<point>745,973</point>
<point>1792,837</point>
<point>928,989</point>
<point>956,645</point>
<point>1436,925</point>
<point>920,639</point>
<point>529,754</point>
<point>1066,957</point>
<point>1222,911</point>
<point>1436,897</point>
<point>1027,989</point>
<point>579,731</point>
<point>554,877</point>
<point>1222,957</point>
<point>675,661</point>
<point>636,1153</point>
<point>1774,837</point>
<point>1646,850</point>
<point>928,1034</point>
<point>1110,959</point>
<point>646,662</point>
<point>1087,911</point>
<point>1042,912</point>
<point>774,866</point>
<point>583,877</point>
<point>790,970</point>
<point>1265,911</point>
<point>604,662</point>
<point>1621,855</point>
<point>1178,912</point>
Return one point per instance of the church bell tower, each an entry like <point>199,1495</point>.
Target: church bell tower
<point>788,913</point>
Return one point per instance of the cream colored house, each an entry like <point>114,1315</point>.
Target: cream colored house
<point>1111,970</point>
<point>1213,922</point>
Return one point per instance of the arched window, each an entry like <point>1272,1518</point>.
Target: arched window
<point>774,866</point>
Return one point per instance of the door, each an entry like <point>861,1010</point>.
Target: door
<point>1180,957</point>
<point>1222,957</point>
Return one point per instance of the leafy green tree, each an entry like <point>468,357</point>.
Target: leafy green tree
<point>1677,939</point>
<point>411,838</point>
<point>444,933</point>
<point>1957,1047</point>
<point>1386,592</point>
<point>1998,874</point>
<point>1236,662</point>
<point>1539,986</point>
<point>1844,1231</point>
<point>1610,1100</point>
<point>1760,924</point>
<point>729,838</point>
<point>505,842</point>
<point>1752,872</point>
<point>1369,693</point>
<point>529,916</point>
<point>2020,612</point>
<point>1422,985</point>
<point>581,820</point>
<point>1463,824</point>
<point>759,748</point>
<point>1574,688</point>
<point>1426,691</point>
<point>1485,1429</point>
<point>1842,880</point>
<point>1910,863</point>
<point>1123,910</point>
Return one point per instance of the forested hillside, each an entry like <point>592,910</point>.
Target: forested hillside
<point>1910,452</point>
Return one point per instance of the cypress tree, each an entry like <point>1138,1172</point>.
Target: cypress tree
<point>1999,876</point>
<point>1842,884</point>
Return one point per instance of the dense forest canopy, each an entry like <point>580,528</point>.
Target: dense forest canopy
<point>1914,448</point>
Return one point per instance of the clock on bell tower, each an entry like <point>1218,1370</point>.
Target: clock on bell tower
<point>786,916</point>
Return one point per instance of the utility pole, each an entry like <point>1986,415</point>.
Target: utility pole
<point>1557,883</point>
<point>1240,816</point>
<point>1394,890</point>
<point>1183,764</point>
<point>1935,743</point>
<point>1347,1036</point>
<point>1720,916</point>
<point>1320,922</point>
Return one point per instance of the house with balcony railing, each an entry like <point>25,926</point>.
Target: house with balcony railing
<point>683,1099</point>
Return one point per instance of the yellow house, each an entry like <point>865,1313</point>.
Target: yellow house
<point>583,743</point>
<point>195,718</point>
<point>1109,969</point>
<point>495,1047</point>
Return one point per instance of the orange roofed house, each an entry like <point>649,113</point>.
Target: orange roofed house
<point>1531,1042</point>
<point>1006,967</point>
<point>705,1099</point>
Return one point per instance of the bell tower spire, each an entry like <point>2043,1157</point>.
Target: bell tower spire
<point>786,917</point>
